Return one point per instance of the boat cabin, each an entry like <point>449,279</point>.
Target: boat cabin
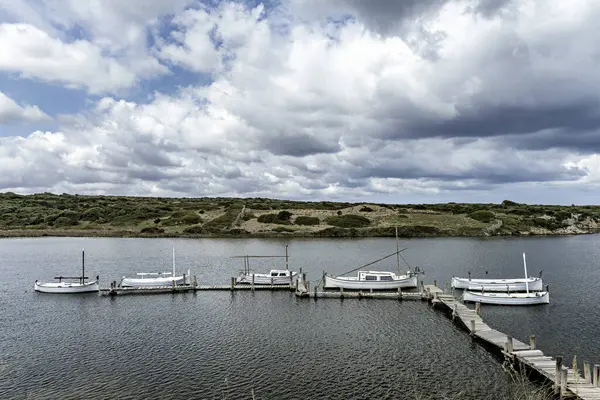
<point>279,272</point>
<point>376,276</point>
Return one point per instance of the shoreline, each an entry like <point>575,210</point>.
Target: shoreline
<point>33,233</point>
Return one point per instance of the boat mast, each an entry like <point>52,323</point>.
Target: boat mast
<point>525,266</point>
<point>82,280</point>
<point>397,251</point>
<point>286,258</point>
<point>173,261</point>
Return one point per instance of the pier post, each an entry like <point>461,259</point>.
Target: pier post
<point>195,281</point>
<point>297,283</point>
<point>454,310</point>
<point>271,282</point>
<point>563,382</point>
<point>232,282</point>
<point>587,371</point>
<point>435,282</point>
<point>595,373</point>
<point>173,283</point>
<point>532,342</point>
<point>253,282</point>
<point>307,288</point>
<point>478,308</point>
<point>557,374</point>
<point>341,293</point>
<point>509,341</point>
<point>399,293</point>
<point>472,327</point>
<point>315,290</point>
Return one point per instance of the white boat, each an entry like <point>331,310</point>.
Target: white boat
<point>153,279</point>
<point>497,285</point>
<point>69,284</point>
<point>66,287</point>
<point>376,280</point>
<point>516,299</point>
<point>274,277</point>
<point>507,298</point>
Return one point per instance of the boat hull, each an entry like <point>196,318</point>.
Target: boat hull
<point>508,299</point>
<point>66,287</point>
<point>152,282</point>
<point>355,284</point>
<point>265,279</point>
<point>497,285</point>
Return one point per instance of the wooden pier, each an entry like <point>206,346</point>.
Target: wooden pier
<point>115,290</point>
<point>566,382</point>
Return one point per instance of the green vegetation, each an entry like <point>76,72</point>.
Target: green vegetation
<point>283,218</point>
<point>74,215</point>
<point>348,221</point>
<point>304,220</point>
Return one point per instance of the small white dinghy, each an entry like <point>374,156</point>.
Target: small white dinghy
<point>154,279</point>
<point>508,298</point>
<point>274,277</point>
<point>69,284</point>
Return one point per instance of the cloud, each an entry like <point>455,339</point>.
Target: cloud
<point>339,99</point>
<point>32,53</point>
<point>10,111</point>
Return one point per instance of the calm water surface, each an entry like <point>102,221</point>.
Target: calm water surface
<point>219,345</point>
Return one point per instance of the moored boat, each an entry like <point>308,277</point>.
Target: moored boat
<point>274,277</point>
<point>497,285</point>
<point>69,284</point>
<point>376,280</point>
<point>154,279</point>
<point>508,299</point>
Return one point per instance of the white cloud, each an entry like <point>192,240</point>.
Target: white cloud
<point>10,111</point>
<point>31,52</point>
<point>307,108</point>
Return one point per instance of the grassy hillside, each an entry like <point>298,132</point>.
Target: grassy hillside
<point>74,215</point>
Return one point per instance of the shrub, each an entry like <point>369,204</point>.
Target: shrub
<point>272,219</point>
<point>152,230</point>
<point>482,216</point>
<point>196,229</point>
<point>508,203</point>
<point>366,209</point>
<point>562,215</point>
<point>339,212</point>
<point>92,214</point>
<point>157,221</point>
<point>65,221</point>
<point>348,221</point>
<point>282,229</point>
<point>284,215</point>
<point>304,220</point>
<point>185,219</point>
<point>248,217</point>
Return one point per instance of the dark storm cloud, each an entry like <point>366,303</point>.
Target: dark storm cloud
<point>386,15</point>
<point>489,8</point>
<point>480,120</point>
<point>297,145</point>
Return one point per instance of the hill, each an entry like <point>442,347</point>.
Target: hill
<point>47,214</point>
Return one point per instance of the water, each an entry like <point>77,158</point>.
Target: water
<point>219,345</point>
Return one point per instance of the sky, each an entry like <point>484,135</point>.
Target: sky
<point>412,101</point>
